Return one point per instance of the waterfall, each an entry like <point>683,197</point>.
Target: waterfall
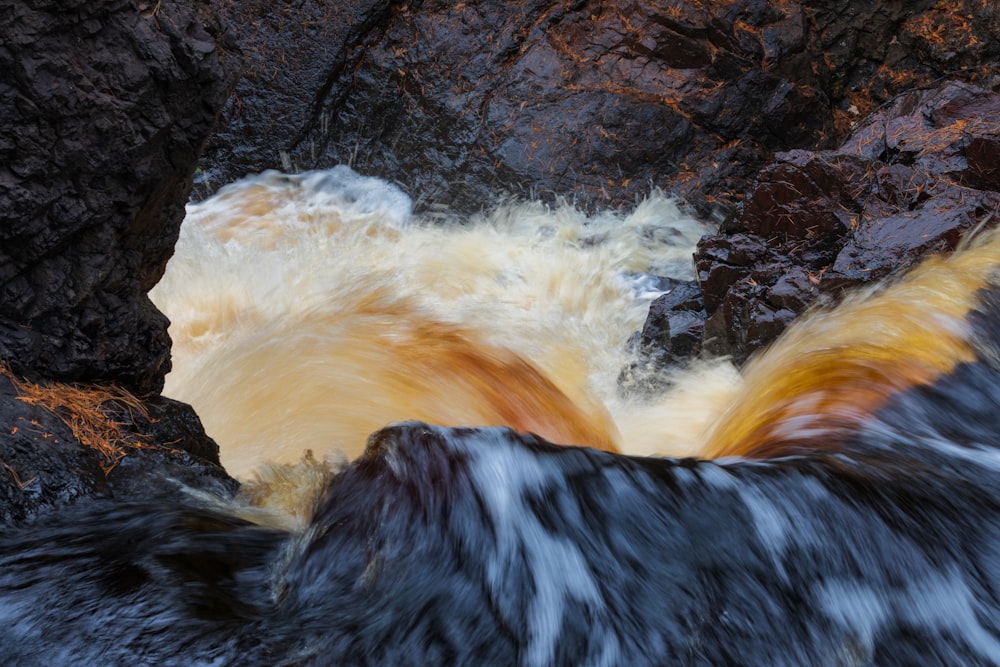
<point>842,508</point>
<point>310,310</point>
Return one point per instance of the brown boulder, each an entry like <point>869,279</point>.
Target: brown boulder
<point>913,179</point>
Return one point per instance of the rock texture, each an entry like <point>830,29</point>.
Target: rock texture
<point>108,103</point>
<point>106,106</point>
<point>914,178</point>
<point>591,99</point>
<point>63,443</point>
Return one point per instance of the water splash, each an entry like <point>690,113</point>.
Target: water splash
<point>310,310</point>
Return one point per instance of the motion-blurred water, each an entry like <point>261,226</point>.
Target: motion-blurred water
<point>310,310</point>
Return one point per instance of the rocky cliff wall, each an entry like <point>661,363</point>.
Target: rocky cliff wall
<point>106,107</point>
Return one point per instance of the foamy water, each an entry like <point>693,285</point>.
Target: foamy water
<point>309,310</point>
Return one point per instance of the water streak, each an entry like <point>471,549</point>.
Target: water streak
<point>310,310</point>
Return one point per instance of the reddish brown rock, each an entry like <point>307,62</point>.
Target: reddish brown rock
<point>913,179</point>
<point>595,100</point>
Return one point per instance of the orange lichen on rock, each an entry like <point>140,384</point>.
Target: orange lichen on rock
<point>946,26</point>
<point>835,368</point>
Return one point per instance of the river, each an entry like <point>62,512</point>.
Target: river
<point>310,310</point>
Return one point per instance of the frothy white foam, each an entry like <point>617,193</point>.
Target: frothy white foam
<point>561,580</point>
<point>565,290</point>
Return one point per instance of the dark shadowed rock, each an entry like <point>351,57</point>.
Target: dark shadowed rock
<point>674,325</point>
<point>175,425</point>
<point>293,56</point>
<point>671,335</point>
<point>592,99</point>
<point>44,465</point>
<point>913,179</point>
<point>106,106</point>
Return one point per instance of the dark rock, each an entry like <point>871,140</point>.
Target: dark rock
<point>593,99</point>
<point>897,241</point>
<point>912,180</point>
<point>41,464</point>
<point>675,322</point>
<point>426,552</point>
<point>744,321</point>
<point>803,184</point>
<point>175,425</point>
<point>166,473</point>
<point>983,160</point>
<point>44,466</point>
<point>794,290</point>
<point>294,56</point>
<point>106,107</point>
<point>670,338</point>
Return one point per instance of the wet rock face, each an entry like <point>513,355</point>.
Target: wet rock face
<point>672,335</point>
<point>106,106</point>
<point>592,99</point>
<point>913,179</point>
<point>293,56</point>
<point>44,466</point>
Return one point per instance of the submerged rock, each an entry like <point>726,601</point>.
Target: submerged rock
<point>482,546</point>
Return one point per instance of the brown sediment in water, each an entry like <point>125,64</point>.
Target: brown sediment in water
<point>835,368</point>
<point>379,363</point>
<point>304,322</point>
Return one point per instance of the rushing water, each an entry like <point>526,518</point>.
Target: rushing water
<point>310,310</point>
<point>849,516</point>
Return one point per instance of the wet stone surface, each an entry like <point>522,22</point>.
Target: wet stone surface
<point>43,466</point>
<point>912,180</point>
<point>591,100</point>
<point>105,111</point>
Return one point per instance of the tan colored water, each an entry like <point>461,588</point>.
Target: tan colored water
<point>835,368</point>
<point>308,311</point>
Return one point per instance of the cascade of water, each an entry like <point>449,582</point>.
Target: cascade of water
<point>311,310</point>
